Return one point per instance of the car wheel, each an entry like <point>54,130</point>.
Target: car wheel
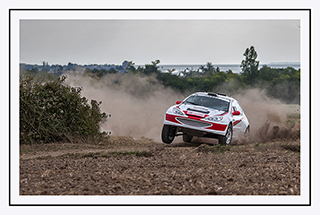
<point>226,140</point>
<point>187,138</point>
<point>168,133</point>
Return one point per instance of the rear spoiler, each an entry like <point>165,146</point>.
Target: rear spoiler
<point>215,94</point>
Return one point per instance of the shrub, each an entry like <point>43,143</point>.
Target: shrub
<point>52,112</point>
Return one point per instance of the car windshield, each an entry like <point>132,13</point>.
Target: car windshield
<point>209,102</point>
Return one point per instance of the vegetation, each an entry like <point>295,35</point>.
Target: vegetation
<point>250,66</point>
<point>53,112</point>
<point>279,83</point>
<point>40,75</point>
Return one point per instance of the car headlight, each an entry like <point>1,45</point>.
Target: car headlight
<point>177,111</point>
<point>214,118</point>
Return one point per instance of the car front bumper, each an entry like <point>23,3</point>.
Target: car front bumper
<point>196,124</point>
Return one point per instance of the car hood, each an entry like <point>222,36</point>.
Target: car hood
<point>199,111</point>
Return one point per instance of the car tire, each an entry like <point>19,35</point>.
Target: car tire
<point>168,133</point>
<point>187,138</point>
<point>226,139</point>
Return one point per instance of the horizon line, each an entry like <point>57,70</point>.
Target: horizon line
<point>175,64</point>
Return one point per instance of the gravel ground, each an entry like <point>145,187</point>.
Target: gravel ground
<point>124,166</point>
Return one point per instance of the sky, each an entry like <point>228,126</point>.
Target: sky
<point>174,41</point>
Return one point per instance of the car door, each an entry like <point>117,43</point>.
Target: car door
<point>238,120</point>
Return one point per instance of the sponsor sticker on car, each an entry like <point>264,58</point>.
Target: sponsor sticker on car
<point>195,113</point>
<point>200,108</point>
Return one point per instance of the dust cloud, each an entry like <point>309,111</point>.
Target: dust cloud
<point>268,117</point>
<point>137,106</point>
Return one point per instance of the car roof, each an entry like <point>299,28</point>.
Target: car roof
<point>217,95</point>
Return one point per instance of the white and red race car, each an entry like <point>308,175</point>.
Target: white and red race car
<point>202,114</point>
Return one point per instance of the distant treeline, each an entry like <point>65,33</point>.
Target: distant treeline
<point>279,83</point>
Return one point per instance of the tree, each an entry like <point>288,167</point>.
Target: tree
<point>130,67</point>
<point>170,71</point>
<point>207,69</point>
<point>152,68</point>
<point>155,62</point>
<point>250,66</point>
<point>112,70</point>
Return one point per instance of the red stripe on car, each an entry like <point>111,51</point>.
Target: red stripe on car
<point>217,127</point>
<point>237,122</point>
<point>172,118</point>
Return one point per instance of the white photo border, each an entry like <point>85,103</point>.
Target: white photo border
<point>304,15</point>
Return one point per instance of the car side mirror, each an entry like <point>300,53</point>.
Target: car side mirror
<point>236,113</point>
<point>178,102</point>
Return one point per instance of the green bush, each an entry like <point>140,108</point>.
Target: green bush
<point>52,112</point>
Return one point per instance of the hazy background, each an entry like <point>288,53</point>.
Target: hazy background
<point>170,41</point>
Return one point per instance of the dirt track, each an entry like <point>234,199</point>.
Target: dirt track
<point>123,166</point>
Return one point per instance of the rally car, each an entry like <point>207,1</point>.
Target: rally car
<point>203,114</point>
